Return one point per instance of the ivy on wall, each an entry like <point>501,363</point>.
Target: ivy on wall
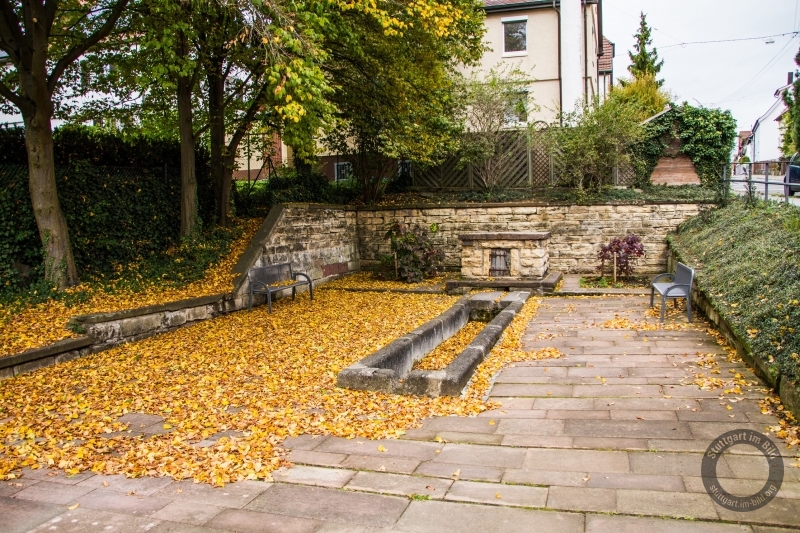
<point>120,196</point>
<point>707,137</point>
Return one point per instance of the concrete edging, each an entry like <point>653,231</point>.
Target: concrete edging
<point>390,368</point>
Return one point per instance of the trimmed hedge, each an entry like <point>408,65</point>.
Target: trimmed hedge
<point>120,195</point>
<point>748,262</point>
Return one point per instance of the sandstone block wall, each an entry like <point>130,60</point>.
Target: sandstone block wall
<point>320,241</point>
<point>528,259</point>
<point>577,232</point>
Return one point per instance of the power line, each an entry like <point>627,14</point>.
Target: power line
<point>792,33</point>
<point>754,78</point>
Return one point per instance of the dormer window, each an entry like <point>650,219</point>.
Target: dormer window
<point>515,35</point>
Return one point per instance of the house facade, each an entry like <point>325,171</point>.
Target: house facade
<point>558,43</point>
<point>765,141</point>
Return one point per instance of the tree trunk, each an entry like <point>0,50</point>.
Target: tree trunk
<point>59,262</point>
<point>189,217</point>
<point>216,118</point>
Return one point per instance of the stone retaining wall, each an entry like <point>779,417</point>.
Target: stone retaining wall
<point>577,232</point>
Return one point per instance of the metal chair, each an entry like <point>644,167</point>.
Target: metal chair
<point>679,286</point>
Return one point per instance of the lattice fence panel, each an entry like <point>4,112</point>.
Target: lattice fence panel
<point>541,172</point>
<point>626,175</point>
<point>454,174</point>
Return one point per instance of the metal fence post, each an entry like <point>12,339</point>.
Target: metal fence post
<point>766,183</point>
<point>530,161</point>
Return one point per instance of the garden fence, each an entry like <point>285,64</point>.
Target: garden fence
<point>525,163</point>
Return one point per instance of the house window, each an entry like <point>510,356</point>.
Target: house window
<point>517,109</point>
<point>515,35</point>
<point>343,170</point>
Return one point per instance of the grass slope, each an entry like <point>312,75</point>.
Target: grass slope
<point>748,261</point>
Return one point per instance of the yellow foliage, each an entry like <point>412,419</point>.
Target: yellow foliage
<point>266,375</point>
<point>445,353</point>
<point>45,323</point>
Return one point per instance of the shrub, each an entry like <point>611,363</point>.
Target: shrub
<point>626,251</point>
<point>415,255</point>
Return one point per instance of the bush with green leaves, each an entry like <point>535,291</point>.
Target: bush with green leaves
<point>746,259</point>
<point>415,255</point>
<point>593,140</point>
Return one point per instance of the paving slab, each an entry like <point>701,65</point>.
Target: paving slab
<point>244,521</point>
<point>582,499</point>
<point>110,500</point>
<point>546,477</point>
<point>458,471</point>
<point>577,460</point>
<point>400,485</point>
<point>233,495</point>
<point>19,516</point>
<point>422,451</point>
<point>82,520</point>
<point>637,482</point>
<point>144,486</point>
<point>643,429</point>
<point>481,456</point>
<point>528,426</point>
<point>459,424</point>
<point>380,464</point>
<point>448,517</point>
<point>303,442</point>
<point>314,475</point>
<point>660,503</point>
<point>631,524</point>
<point>188,512</point>
<point>310,457</point>
<point>318,503</point>
<point>58,493</point>
<point>497,494</point>
<point>11,487</point>
<point>674,464</point>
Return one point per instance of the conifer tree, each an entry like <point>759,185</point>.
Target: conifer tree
<point>644,61</point>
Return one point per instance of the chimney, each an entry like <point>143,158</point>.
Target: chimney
<point>790,78</point>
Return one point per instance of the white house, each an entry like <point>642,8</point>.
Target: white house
<point>558,42</point>
<point>765,140</point>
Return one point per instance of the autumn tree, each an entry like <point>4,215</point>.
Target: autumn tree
<point>645,61</point>
<point>643,94</point>
<point>395,85</point>
<point>43,39</point>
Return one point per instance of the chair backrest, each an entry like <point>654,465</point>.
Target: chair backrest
<point>271,273</point>
<point>684,275</point>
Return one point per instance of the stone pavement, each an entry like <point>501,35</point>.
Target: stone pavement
<point>607,439</point>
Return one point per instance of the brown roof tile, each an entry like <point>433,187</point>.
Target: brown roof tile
<point>605,63</point>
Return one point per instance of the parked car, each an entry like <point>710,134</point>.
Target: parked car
<point>791,181</point>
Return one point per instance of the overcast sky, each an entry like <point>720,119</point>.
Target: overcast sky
<point>740,76</point>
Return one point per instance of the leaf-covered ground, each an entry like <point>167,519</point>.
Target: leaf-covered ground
<point>369,281</point>
<point>266,375</point>
<point>445,353</point>
<point>45,323</point>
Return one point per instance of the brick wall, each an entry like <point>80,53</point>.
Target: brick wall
<point>577,231</point>
<point>678,170</point>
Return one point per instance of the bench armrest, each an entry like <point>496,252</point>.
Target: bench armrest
<point>258,286</point>
<point>683,286</point>
<point>304,275</point>
<point>670,276</point>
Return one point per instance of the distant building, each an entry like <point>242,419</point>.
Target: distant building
<point>764,143</point>
<point>605,68</point>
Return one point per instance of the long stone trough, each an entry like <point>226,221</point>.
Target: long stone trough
<point>390,369</point>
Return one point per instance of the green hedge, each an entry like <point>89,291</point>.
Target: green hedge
<point>120,195</point>
<point>748,263</point>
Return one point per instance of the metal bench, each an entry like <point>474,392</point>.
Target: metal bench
<point>679,285</point>
<point>275,278</point>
